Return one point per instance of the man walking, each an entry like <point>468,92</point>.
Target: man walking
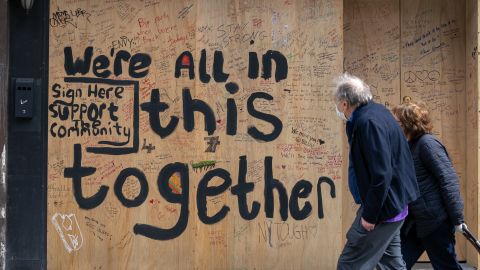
<point>381,178</point>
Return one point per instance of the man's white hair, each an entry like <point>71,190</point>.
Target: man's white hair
<point>352,89</point>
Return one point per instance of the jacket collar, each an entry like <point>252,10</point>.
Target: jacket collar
<point>359,111</point>
<point>416,139</point>
<point>351,123</point>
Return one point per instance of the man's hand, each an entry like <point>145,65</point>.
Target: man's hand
<point>367,226</point>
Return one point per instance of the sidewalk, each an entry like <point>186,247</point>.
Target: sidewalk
<point>427,266</point>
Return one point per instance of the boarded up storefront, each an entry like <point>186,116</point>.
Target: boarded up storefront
<point>202,134</point>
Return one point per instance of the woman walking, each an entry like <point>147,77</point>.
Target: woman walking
<point>438,211</point>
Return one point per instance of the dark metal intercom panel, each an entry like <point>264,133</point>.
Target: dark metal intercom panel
<point>24,97</point>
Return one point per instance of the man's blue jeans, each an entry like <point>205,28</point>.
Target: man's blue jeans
<point>440,247</point>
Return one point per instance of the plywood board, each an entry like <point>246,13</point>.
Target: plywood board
<point>372,52</point>
<point>131,151</point>
<point>433,71</point>
<point>372,49</point>
<point>413,52</point>
<point>471,123</point>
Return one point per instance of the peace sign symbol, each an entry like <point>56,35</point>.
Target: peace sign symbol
<point>409,77</point>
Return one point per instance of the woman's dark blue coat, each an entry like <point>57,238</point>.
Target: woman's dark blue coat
<point>440,198</point>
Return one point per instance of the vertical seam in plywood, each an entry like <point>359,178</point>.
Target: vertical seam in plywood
<point>467,167</point>
<point>400,49</point>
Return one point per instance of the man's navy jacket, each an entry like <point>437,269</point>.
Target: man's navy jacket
<point>383,165</point>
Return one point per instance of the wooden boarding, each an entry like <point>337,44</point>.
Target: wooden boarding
<point>433,70</point>
<point>159,109</point>
<point>471,123</point>
<point>138,208</point>
<point>413,50</point>
<point>371,52</point>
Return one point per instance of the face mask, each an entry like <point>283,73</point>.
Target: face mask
<point>340,114</point>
